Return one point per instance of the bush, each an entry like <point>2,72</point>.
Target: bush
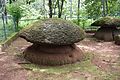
<point>84,23</point>
<point>16,12</point>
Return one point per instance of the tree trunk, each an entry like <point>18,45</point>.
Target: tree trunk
<point>5,12</point>
<point>55,7</point>
<point>60,8</point>
<point>78,16</point>
<point>0,4</point>
<point>106,7</point>
<point>103,7</point>
<point>4,28</point>
<point>14,0</point>
<point>44,7</point>
<point>10,1</point>
<point>17,24</point>
<point>50,8</point>
<point>71,9</point>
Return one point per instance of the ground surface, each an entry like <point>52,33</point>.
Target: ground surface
<point>102,62</point>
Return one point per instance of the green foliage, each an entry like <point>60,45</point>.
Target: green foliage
<point>94,8</point>
<point>30,0</point>
<point>84,23</point>
<point>15,10</point>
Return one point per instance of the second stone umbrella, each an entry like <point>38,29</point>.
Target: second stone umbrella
<point>108,28</point>
<point>53,42</point>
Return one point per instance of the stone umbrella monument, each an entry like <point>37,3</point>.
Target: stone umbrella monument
<point>53,42</point>
<point>108,28</point>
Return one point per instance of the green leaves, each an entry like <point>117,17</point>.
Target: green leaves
<point>14,10</point>
<point>94,8</point>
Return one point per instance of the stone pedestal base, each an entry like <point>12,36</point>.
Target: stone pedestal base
<point>106,33</point>
<point>53,55</point>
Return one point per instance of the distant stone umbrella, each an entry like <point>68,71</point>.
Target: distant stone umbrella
<point>108,28</point>
<point>53,42</point>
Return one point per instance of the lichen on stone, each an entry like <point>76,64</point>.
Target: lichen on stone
<point>53,31</point>
<point>107,22</point>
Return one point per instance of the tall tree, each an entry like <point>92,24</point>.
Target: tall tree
<point>55,2</point>
<point>98,8</point>
<point>103,7</point>
<point>60,7</point>
<point>71,8</point>
<point>78,16</point>
<point>58,2</point>
<point>10,1</point>
<point>106,1</point>
<point>44,7</point>
<point>93,8</point>
<point>0,3</point>
<point>50,8</point>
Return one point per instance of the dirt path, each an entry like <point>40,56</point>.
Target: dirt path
<point>106,54</point>
<point>106,57</point>
<point>9,67</point>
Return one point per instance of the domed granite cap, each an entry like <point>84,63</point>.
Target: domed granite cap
<point>107,22</point>
<point>53,31</point>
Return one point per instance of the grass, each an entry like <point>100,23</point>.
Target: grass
<point>8,27</point>
<point>11,36</point>
<point>86,66</point>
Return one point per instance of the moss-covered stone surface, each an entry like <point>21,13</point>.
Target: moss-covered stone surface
<point>107,22</point>
<point>106,33</point>
<point>53,31</point>
<point>108,28</point>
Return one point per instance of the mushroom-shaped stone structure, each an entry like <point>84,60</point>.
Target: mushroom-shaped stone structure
<point>108,28</point>
<point>53,42</point>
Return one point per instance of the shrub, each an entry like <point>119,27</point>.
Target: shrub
<point>16,12</point>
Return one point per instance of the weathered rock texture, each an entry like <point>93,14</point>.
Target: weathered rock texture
<point>53,32</point>
<point>107,22</point>
<point>108,28</point>
<point>106,34</point>
<point>53,55</point>
<point>53,42</point>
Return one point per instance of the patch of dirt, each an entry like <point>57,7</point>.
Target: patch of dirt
<point>9,67</point>
<point>106,54</point>
<point>106,57</point>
